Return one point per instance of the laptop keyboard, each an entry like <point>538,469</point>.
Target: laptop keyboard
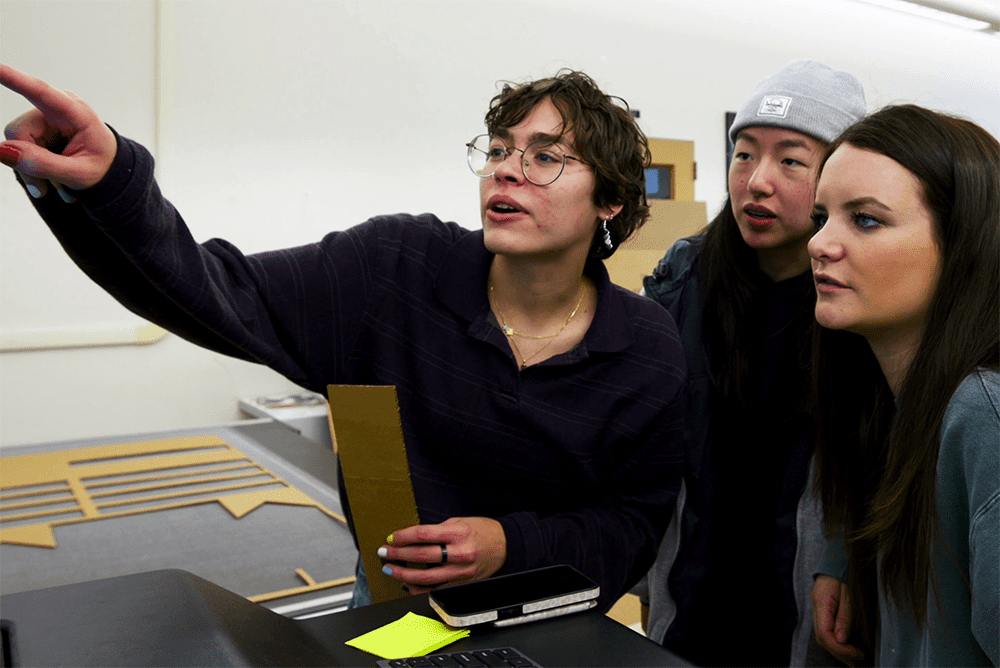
<point>502,657</point>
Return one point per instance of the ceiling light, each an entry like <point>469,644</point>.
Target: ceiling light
<point>961,14</point>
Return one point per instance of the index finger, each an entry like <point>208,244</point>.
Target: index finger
<point>422,533</point>
<point>58,106</point>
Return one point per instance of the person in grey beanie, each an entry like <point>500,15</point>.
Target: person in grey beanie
<point>733,576</point>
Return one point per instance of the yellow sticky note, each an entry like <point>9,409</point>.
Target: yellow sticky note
<point>411,635</point>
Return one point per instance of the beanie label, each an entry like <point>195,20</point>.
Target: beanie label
<point>774,105</point>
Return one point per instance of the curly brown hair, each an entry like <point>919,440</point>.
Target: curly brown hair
<point>605,135</point>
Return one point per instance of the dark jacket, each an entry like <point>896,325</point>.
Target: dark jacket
<point>682,561</point>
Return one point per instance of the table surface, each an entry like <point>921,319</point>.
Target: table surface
<point>581,639</point>
<point>174,618</point>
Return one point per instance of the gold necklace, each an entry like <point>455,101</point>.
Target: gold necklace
<point>510,333</point>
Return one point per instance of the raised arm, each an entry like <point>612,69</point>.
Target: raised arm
<point>117,227</point>
<point>61,142</point>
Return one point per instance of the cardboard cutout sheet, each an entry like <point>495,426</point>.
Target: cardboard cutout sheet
<point>43,491</point>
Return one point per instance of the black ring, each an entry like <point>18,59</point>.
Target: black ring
<point>444,554</point>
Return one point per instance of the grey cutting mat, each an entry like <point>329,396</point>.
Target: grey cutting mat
<point>252,555</point>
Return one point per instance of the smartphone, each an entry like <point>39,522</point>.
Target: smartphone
<point>516,598</point>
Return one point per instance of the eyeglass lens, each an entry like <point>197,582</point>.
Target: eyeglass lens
<point>541,162</point>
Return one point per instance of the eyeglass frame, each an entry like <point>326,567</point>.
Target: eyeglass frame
<point>510,150</point>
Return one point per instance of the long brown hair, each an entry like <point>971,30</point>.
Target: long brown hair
<point>876,461</point>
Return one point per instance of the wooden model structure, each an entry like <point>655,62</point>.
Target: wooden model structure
<point>670,219</point>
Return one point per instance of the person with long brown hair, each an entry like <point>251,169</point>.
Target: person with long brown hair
<point>907,374</point>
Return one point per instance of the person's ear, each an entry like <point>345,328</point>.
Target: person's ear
<point>610,212</point>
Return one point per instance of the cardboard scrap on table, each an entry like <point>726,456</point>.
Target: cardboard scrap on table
<point>411,635</point>
<point>369,441</point>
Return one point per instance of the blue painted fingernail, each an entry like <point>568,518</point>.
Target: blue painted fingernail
<point>387,570</point>
<point>34,191</point>
<point>66,197</point>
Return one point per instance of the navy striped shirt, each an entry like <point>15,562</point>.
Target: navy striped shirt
<point>578,457</point>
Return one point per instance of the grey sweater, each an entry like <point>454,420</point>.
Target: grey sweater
<point>963,606</point>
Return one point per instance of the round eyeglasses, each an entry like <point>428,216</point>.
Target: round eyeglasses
<point>542,162</point>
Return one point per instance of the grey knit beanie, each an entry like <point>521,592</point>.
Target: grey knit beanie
<point>805,96</point>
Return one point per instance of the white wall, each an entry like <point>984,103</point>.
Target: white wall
<point>277,121</point>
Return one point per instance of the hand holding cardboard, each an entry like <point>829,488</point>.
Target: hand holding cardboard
<point>473,548</point>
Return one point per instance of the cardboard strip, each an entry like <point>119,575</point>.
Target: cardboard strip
<point>369,441</point>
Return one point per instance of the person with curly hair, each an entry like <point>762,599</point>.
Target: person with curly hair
<point>539,402</point>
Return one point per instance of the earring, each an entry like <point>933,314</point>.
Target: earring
<point>607,235</point>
